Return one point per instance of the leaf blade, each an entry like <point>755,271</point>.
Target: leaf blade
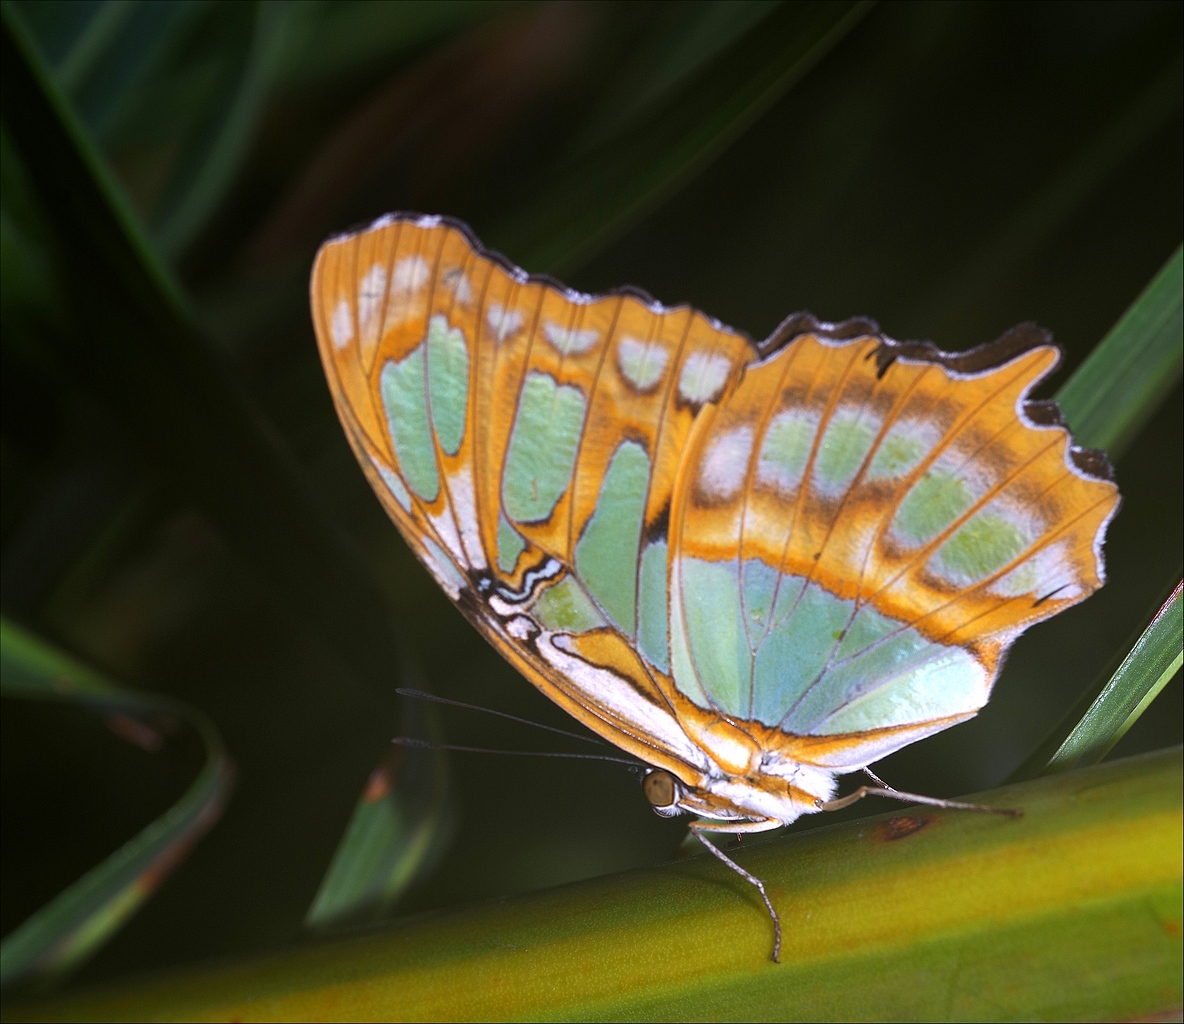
<point>1119,386</point>
<point>1144,672</point>
<point>400,827</point>
<point>146,357</point>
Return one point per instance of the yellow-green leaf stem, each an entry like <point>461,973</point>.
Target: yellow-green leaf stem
<point>1071,911</point>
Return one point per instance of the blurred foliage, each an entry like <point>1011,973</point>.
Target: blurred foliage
<point>77,921</point>
<point>178,506</point>
<point>401,827</point>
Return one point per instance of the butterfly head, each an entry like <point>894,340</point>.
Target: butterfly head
<point>662,790</point>
<point>760,797</point>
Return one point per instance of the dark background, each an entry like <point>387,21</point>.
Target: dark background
<point>946,169</point>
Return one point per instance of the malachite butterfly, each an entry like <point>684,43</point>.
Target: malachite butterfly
<point>753,565</point>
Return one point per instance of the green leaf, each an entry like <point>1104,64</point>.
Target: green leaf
<point>79,920</point>
<point>92,35</point>
<point>1149,667</point>
<point>1125,686</point>
<point>170,92</point>
<point>72,162</point>
<point>29,283</point>
<point>597,197</point>
<point>1120,385</point>
<point>400,828</point>
<point>1106,402</point>
<point>1069,912</point>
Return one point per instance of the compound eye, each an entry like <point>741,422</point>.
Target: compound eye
<point>659,788</point>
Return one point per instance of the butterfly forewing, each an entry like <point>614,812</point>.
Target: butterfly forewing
<point>526,439</point>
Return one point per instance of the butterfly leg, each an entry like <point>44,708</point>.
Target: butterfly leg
<point>875,778</point>
<point>739,828</point>
<point>883,789</point>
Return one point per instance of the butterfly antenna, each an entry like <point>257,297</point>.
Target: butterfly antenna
<point>411,741</point>
<point>421,695</point>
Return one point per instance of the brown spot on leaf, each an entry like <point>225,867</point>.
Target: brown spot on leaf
<point>905,825</point>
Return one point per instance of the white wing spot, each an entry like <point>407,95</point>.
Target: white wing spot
<point>462,287</point>
<point>570,342</point>
<point>521,628</point>
<point>460,487</point>
<point>443,569</point>
<point>703,377</point>
<point>725,463</point>
<point>978,476</point>
<point>370,295</point>
<point>411,274</point>
<point>393,483</point>
<point>343,325</point>
<point>1050,569</point>
<point>446,528</point>
<point>642,363</point>
<point>504,323</point>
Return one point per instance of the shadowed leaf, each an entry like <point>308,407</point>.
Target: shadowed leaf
<point>1151,664</point>
<point>80,919</point>
<point>600,195</point>
<point>400,827</point>
<point>1105,402</point>
<point>143,353</point>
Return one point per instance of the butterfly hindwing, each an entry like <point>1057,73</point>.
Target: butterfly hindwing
<point>863,529</point>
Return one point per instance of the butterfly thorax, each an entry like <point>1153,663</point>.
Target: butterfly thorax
<point>775,798</point>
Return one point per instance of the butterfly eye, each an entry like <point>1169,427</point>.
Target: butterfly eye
<point>659,789</point>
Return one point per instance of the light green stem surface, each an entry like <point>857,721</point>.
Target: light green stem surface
<point>1071,912</point>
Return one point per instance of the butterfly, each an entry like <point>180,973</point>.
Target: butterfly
<point>754,566</point>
